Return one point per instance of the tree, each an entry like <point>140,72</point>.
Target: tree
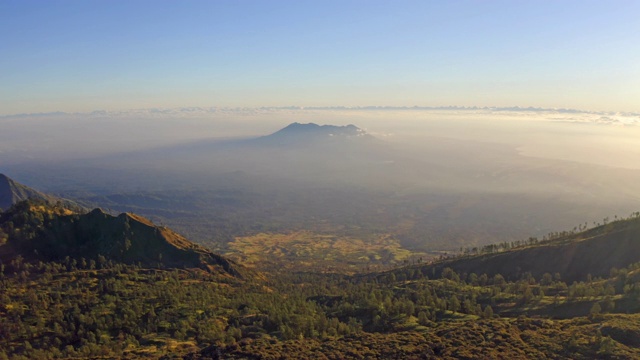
<point>423,319</point>
<point>454,305</point>
<point>608,305</point>
<point>448,273</point>
<point>527,296</point>
<point>607,346</point>
<point>596,309</point>
<point>488,312</point>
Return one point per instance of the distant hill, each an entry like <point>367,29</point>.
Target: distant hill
<point>306,134</point>
<point>12,192</point>
<point>39,230</point>
<point>595,252</point>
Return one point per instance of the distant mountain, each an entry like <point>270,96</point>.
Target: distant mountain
<point>298,129</point>
<point>12,192</point>
<point>44,231</point>
<point>306,134</point>
<point>308,153</point>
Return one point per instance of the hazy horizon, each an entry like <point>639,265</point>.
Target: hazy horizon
<point>593,137</point>
<point>436,177</point>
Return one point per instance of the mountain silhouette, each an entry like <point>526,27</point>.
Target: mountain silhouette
<point>12,192</point>
<point>314,134</point>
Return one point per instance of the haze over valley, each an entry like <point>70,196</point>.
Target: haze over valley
<point>437,179</point>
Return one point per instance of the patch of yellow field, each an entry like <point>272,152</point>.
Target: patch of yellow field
<point>320,252</point>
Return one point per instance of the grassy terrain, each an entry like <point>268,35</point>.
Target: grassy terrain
<point>310,251</point>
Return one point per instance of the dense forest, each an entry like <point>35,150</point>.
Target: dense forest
<point>99,307</point>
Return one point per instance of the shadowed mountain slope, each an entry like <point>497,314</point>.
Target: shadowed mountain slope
<point>44,231</point>
<point>595,252</point>
<point>12,192</point>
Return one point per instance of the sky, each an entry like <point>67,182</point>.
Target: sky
<point>79,56</point>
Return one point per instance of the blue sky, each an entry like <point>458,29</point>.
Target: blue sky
<point>117,55</point>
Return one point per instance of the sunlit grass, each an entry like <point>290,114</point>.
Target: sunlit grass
<point>306,249</point>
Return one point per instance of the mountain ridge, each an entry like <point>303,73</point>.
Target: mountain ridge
<point>38,230</point>
<point>12,192</point>
<point>573,256</point>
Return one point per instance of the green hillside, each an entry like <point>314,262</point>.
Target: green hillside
<point>43,231</point>
<point>574,256</point>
